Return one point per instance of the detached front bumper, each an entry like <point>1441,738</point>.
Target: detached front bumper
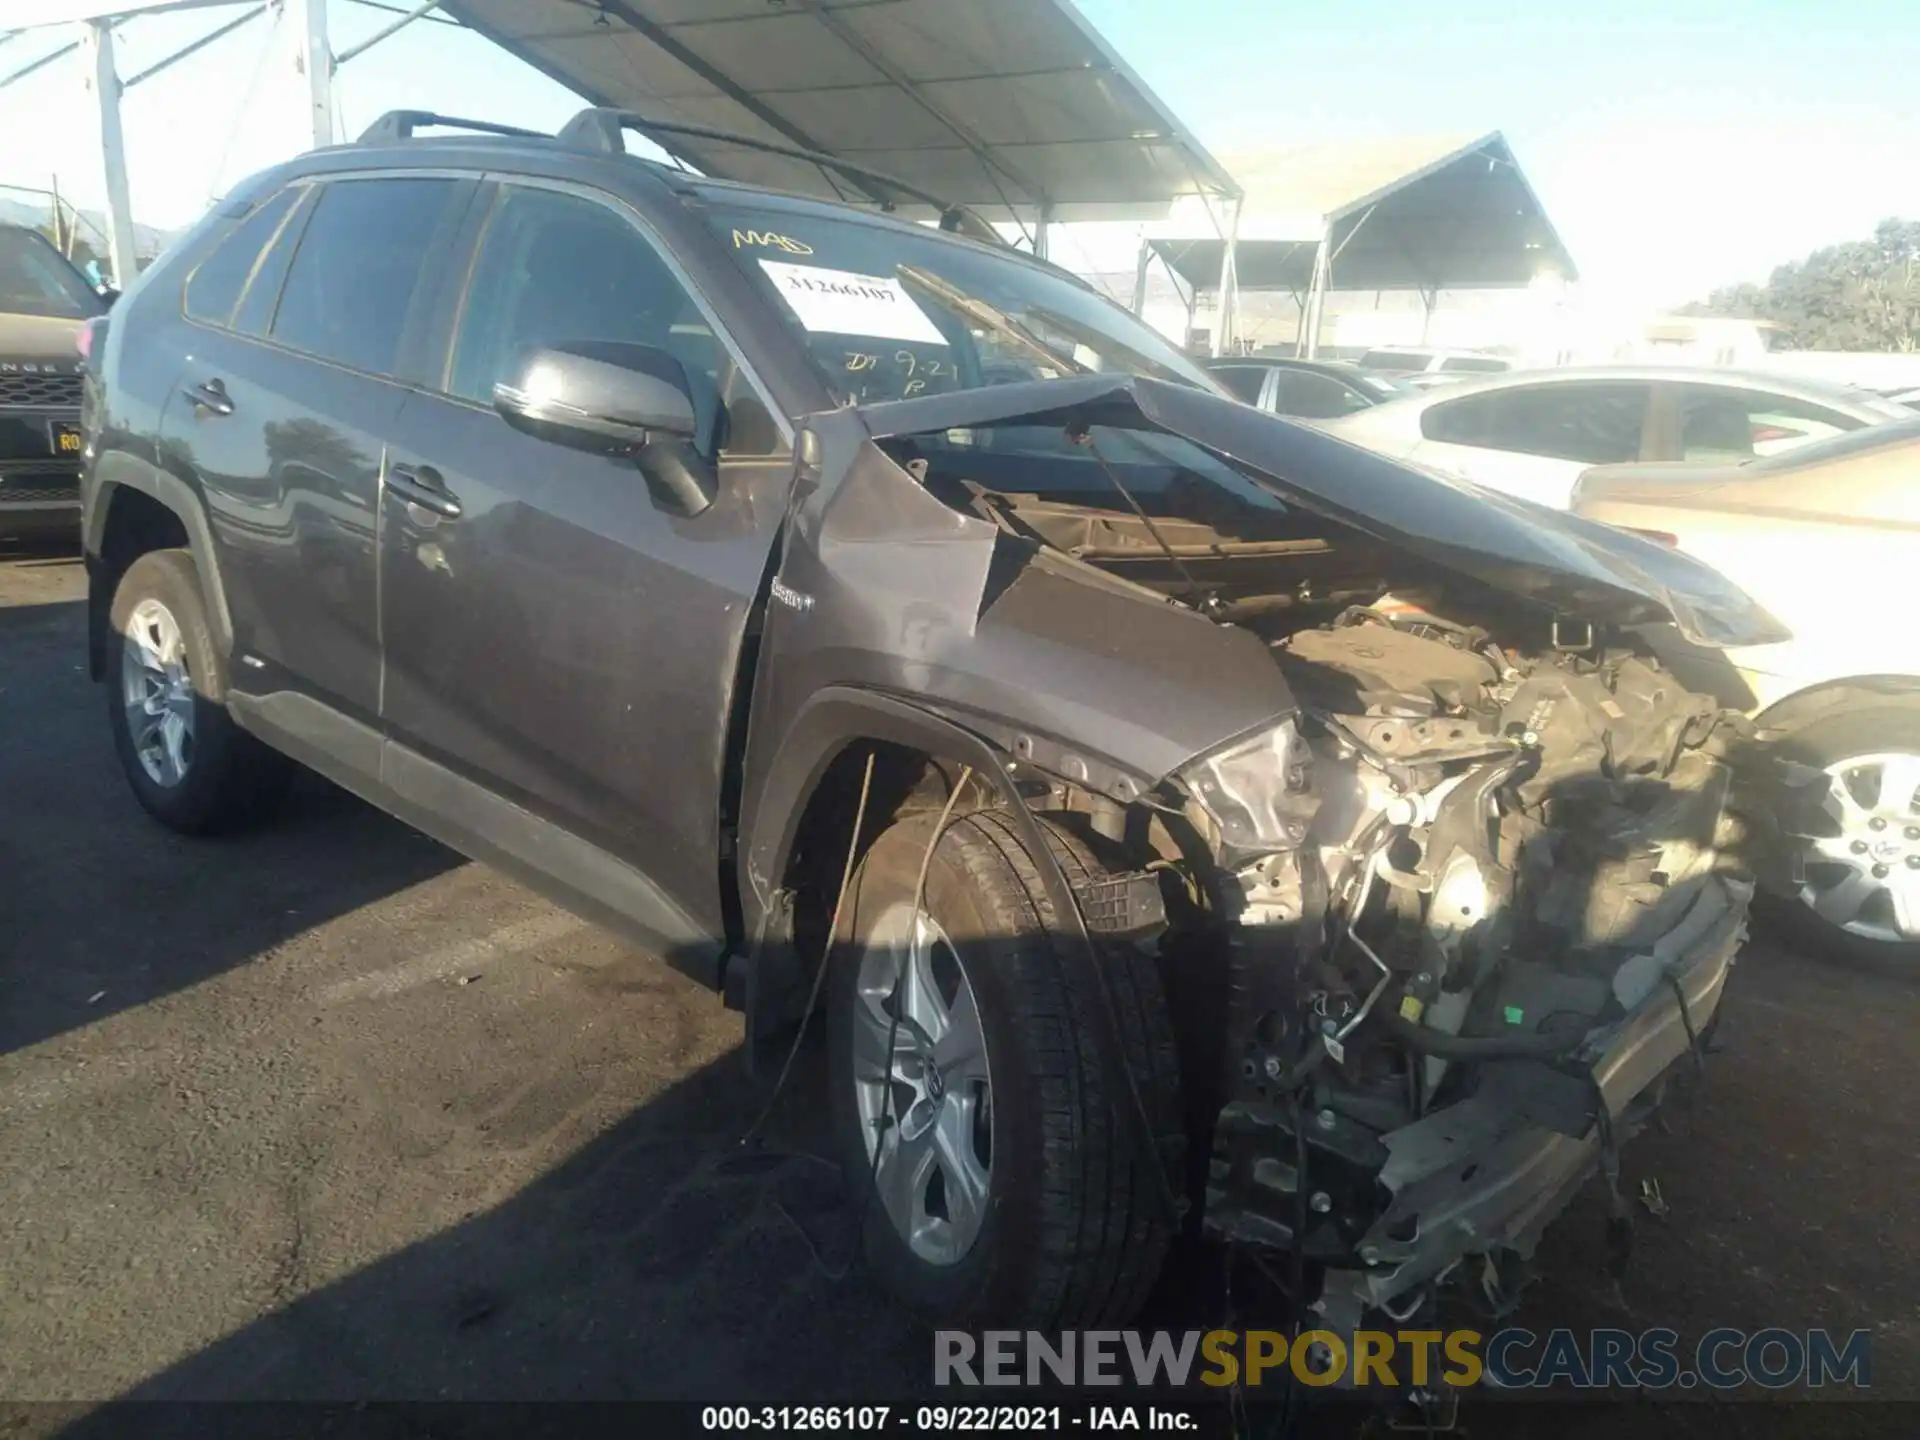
<point>1490,1172</point>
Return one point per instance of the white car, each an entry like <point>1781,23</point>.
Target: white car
<point>1530,433</point>
<point>1417,365</point>
<point>1826,538</point>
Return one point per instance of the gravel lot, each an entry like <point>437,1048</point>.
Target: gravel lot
<point>328,1112</point>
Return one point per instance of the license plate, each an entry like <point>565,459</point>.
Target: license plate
<point>66,438</point>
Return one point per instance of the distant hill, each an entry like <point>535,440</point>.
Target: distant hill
<point>147,241</point>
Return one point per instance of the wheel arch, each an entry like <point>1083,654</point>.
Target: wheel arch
<point>839,721</point>
<point>135,507</point>
<point>800,776</point>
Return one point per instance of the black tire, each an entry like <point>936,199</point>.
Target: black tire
<point>1874,729</point>
<point>1075,1229</point>
<point>232,780</point>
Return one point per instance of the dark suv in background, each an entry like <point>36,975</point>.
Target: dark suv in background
<point>1181,816</point>
<point>44,303</point>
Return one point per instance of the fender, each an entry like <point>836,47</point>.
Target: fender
<point>116,470</point>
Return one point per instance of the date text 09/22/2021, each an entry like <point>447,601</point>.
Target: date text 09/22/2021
<point>948,1419</point>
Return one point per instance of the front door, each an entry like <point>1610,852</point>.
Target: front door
<point>563,642</point>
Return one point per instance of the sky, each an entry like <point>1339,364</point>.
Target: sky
<point>1676,144</point>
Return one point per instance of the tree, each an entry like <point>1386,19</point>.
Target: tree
<point>1860,295</point>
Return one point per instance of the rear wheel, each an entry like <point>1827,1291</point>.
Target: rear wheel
<point>992,1169</point>
<point>1856,836</point>
<point>190,766</point>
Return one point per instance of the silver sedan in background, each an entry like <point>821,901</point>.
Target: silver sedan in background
<point>1530,433</point>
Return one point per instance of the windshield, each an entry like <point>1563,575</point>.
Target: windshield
<point>35,279</point>
<point>888,313</point>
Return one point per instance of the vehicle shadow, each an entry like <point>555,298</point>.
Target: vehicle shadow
<point>101,909</point>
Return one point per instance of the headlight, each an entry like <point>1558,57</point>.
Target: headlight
<point>1258,790</point>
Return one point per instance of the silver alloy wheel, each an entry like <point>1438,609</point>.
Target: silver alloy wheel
<point>928,1105</point>
<point>157,691</point>
<point>1865,879</point>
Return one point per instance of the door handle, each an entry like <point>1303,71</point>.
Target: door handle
<point>210,397</point>
<point>421,485</point>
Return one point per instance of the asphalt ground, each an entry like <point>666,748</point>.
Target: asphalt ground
<point>328,1113</point>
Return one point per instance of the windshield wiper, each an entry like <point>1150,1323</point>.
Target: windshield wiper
<point>991,318</point>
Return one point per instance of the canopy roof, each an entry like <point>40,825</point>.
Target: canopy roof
<point>1013,108</point>
<point>1406,214</point>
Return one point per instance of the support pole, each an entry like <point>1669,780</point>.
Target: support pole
<point>1428,299</point>
<point>1309,345</point>
<point>104,80</point>
<point>1040,228</point>
<point>1140,264</point>
<point>1227,307</point>
<point>352,51</point>
<point>314,59</point>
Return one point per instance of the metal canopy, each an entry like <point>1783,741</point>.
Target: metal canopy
<point>1421,215</point>
<point>1016,109</point>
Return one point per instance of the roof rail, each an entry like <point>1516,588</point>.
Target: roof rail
<point>601,129</point>
<point>400,125</point>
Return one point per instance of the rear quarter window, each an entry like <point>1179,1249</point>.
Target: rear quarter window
<point>216,285</point>
<point>1594,423</point>
<point>1243,382</point>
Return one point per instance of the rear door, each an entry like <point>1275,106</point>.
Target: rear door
<point>285,404</point>
<point>563,643</point>
<point>1534,440</point>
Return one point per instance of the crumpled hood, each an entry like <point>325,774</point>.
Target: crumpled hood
<point>1579,568</point>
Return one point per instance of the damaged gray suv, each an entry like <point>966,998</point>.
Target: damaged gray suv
<point>1181,817</point>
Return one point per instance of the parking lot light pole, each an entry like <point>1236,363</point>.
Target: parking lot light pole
<point>104,80</point>
<point>315,60</point>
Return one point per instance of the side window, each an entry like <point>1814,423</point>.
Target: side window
<point>1316,397</point>
<point>358,267</point>
<point>217,283</point>
<point>1594,424</point>
<point>1242,381</point>
<point>1460,422</point>
<point>1721,424</point>
<point>556,267</point>
<point>262,295</point>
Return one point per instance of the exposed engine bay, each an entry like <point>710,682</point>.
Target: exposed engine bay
<point>1508,857</point>
<point>1482,913</point>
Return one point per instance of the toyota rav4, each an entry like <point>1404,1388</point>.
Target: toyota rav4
<point>1180,816</point>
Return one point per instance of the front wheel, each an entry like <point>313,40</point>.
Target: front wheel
<point>1855,836</point>
<point>993,1172</point>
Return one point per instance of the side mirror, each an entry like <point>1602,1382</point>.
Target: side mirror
<point>611,398</point>
<point>597,395</point>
